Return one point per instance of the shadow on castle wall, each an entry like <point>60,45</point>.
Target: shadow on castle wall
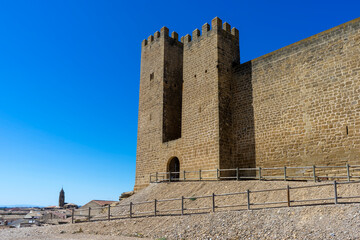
<point>244,155</point>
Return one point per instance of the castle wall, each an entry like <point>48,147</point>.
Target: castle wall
<point>300,105</point>
<point>243,116</point>
<point>296,106</point>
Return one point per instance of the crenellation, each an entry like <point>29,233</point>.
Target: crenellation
<point>144,43</point>
<point>216,23</point>
<point>156,34</point>
<point>175,36</point>
<point>226,27</point>
<point>186,38</point>
<point>196,34</point>
<point>235,32</point>
<point>205,28</point>
<point>297,106</point>
<point>164,31</point>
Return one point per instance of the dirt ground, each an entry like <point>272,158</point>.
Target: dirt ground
<point>311,222</point>
<point>195,189</point>
<point>52,234</point>
<point>341,221</point>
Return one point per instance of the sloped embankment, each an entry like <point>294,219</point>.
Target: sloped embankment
<point>195,189</point>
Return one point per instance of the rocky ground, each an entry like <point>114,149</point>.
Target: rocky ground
<point>46,233</point>
<point>314,222</point>
<point>340,221</point>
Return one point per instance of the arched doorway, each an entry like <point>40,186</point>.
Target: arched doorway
<point>174,169</point>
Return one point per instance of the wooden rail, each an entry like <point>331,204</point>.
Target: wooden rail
<point>315,173</point>
<point>152,209</point>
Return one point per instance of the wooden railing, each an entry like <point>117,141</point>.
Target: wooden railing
<point>314,173</point>
<point>243,202</point>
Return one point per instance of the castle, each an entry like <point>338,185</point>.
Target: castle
<point>200,108</point>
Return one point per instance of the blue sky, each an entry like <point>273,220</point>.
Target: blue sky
<point>69,80</point>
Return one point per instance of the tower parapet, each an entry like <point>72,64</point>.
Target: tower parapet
<point>216,25</point>
<point>164,33</point>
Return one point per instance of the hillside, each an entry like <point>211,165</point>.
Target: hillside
<point>340,221</point>
<point>195,189</point>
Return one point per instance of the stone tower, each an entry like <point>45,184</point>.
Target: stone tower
<point>62,198</point>
<point>184,106</point>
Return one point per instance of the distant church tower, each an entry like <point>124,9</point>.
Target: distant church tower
<point>62,198</point>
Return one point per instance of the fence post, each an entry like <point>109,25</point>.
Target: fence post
<point>72,216</point>
<point>155,201</point>
<point>348,172</point>
<point>314,173</point>
<point>130,209</point>
<point>288,195</point>
<point>184,176</point>
<point>335,192</point>
<point>89,213</point>
<point>156,179</point>
<point>237,174</point>
<point>182,205</point>
<point>170,176</point>
<point>109,212</point>
<point>217,174</point>
<point>200,175</point>
<point>284,173</point>
<point>248,199</point>
<point>150,177</point>
<point>259,173</point>
<point>213,202</point>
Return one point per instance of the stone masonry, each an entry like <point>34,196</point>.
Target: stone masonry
<point>297,106</point>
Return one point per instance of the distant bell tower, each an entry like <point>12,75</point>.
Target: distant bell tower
<point>62,198</point>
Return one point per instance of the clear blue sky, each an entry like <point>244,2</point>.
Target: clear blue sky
<point>69,80</point>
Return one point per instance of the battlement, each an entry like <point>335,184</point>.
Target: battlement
<point>164,33</point>
<point>217,25</point>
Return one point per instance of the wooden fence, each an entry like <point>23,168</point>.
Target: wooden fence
<point>243,202</point>
<point>314,173</point>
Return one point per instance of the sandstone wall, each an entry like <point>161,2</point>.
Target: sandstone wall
<point>300,105</point>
